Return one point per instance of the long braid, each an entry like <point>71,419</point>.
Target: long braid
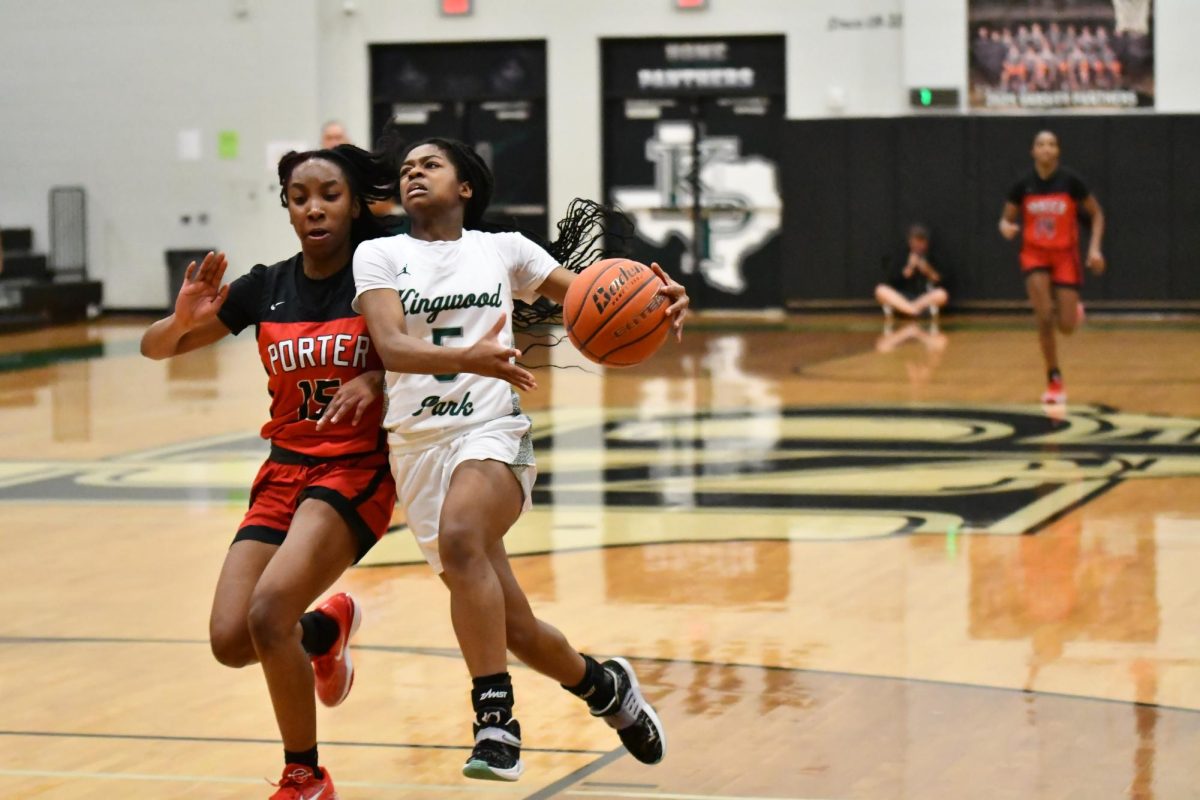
<point>589,232</point>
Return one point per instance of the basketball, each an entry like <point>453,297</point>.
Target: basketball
<point>613,314</point>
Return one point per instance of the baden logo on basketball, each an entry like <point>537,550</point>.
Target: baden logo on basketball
<point>614,314</point>
<point>604,295</point>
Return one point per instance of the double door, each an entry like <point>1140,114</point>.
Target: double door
<point>491,95</point>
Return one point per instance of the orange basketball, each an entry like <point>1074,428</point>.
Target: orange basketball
<point>613,314</point>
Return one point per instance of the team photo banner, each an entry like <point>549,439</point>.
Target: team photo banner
<point>1078,54</point>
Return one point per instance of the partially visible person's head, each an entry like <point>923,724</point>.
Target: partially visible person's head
<point>918,239</point>
<point>326,193</point>
<point>333,133</point>
<point>1045,149</point>
<point>438,174</point>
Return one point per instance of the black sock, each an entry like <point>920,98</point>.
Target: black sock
<point>597,688</point>
<point>1053,375</point>
<point>492,699</point>
<point>320,632</point>
<point>307,758</point>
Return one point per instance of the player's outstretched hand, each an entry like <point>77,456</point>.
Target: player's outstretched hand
<point>678,296</point>
<point>202,295</point>
<point>492,358</point>
<point>1095,262</point>
<point>352,399</point>
<point>1009,230</point>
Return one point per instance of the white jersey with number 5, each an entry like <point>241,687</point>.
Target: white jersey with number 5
<point>452,293</point>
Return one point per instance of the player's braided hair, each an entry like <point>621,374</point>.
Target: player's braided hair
<point>370,178</point>
<point>392,147</point>
<point>587,233</point>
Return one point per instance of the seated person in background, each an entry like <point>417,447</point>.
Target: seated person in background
<point>913,285</point>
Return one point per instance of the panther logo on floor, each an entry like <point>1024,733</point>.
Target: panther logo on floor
<point>795,473</point>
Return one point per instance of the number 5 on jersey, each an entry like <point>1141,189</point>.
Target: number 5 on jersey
<point>446,333</point>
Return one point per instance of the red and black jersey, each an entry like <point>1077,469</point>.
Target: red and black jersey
<point>310,342</point>
<point>1050,209</point>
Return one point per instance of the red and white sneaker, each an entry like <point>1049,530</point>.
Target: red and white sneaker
<point>334,671</point>
<point>301,783</point>
<point>1055,394</point>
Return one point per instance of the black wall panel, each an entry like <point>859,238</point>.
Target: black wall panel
<point>1184,202</point>
<point>851,187</point>
<point>1139,166</point>
<point>871,197</point>
<point>929,190</point>
<point>816,225</point>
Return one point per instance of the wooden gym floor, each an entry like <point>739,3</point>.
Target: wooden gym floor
<point>845,566</point>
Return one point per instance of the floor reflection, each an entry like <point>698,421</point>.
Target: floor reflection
<point>811,734</point>
<point>1072,583</point>
<point>722,574</point>
<point>828,589</point>
<point>71,402</point>
<point>922,350</point>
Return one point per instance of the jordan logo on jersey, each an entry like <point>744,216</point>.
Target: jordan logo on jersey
<point>339,350</point>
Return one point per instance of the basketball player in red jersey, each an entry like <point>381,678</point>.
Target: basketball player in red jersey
<point>1048,199</point>
<point>438,302</point>
<point>325,494</point>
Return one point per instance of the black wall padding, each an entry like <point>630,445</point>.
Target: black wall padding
<point>1184,202</point>
<point>851,187</point>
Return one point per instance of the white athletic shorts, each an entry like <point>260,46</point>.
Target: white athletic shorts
<point>423,477</point>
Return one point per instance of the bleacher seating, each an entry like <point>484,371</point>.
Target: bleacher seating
<point>31,295</point>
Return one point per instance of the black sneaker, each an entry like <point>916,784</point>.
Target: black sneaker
<point>634,719</point>
<point>497,753</point>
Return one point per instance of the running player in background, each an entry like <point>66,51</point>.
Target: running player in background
<point>325,494</point>
<point>1048,199</point>
<point>438,303</point>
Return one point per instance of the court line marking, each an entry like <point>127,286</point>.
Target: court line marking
<point>567,751</point>
<point>225,779</point>
<point>450,653</point>
<point>571,778</point>
<point>673,796</point>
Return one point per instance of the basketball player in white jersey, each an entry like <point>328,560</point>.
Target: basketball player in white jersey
<point>438,303</point>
